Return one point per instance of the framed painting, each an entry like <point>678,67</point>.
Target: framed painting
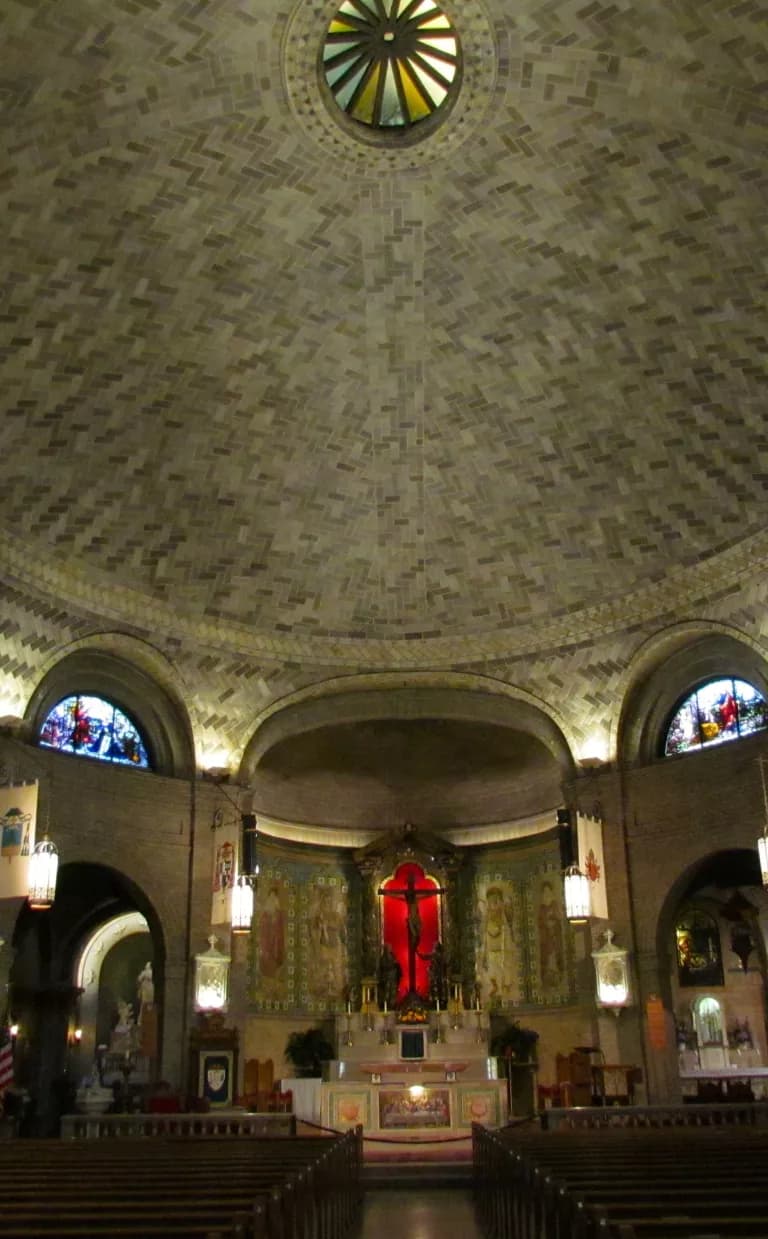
<point>349,1107</point>
<point>479,1105</point>
<point>216,1077</point>
<point>402,1107</point>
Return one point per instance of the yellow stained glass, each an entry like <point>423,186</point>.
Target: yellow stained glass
<point>418,108</point>
<point>363,108</point>
<point>340,27</point>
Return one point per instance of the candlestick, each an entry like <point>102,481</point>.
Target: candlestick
<point>349,1007</point>
<point>385,1006</point>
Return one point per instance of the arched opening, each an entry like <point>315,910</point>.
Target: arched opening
<point>158,716</point>
<point>712,941</point>
<point>671,668</point>
<point>440,757</point>
<point>79,965</point>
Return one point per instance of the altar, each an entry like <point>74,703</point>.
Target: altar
<point>408,1081</point>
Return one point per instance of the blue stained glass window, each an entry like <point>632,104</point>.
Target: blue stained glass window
<point>93,727</point>
<point>716,712</point>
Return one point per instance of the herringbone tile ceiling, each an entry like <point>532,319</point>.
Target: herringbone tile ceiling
<point>267,385</point>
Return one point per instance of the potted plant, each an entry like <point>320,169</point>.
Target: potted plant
<point>307,1051</point>
<point>515,1047</point>
<point>515,1043</point>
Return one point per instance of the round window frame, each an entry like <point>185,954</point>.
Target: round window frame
<point>391,137</point>
<point>319,115</point>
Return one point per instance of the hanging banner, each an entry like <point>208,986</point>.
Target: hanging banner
<point>589,832</point>
<point>657,1022</point>
<point>225,838</point>
<point>18,817</point>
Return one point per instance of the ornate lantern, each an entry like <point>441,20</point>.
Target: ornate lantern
<point>211,979</point>
<point>762,843</point>
<point>577,900</point>
<point>612,974</point>
<point>242,904</point>
<point>43,868</point>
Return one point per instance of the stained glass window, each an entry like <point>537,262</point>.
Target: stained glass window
<point>93,727</point>
<point>390,63</point>
<point>718,711</point>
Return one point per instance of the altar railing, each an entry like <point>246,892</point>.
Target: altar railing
<point>215,1123</point>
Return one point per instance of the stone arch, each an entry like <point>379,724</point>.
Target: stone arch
<point>133,684</point>
<point>739,864</point>
<point>669,665</point>
<point>44,978</point>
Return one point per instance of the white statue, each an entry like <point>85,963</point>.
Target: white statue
<point>145,988</point>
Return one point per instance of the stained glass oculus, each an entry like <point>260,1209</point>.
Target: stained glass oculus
<point>719,711</point>
<point>390,63</point>
<point>93,727</point>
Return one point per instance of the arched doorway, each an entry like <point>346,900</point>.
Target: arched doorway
<point>68,963</point>
<point>713,932</point>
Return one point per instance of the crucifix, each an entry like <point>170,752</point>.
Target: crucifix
<point>412,898</point>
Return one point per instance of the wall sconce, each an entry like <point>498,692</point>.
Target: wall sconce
<point>43,868</point>
<point>612,974</point>
<point>211,978</point>
<point>577,898</point>
<point>76,1036</point>
<point>13,1031</point>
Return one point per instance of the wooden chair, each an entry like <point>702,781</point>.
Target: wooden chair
<point>574,1076</point>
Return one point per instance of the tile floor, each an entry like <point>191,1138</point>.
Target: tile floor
<point>436,1213</point>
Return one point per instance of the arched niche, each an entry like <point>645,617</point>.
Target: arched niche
<point>160,716</point>
<point>667,669</point>
<point>441,757</point>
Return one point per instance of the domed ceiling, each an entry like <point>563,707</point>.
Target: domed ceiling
<point>258,378</point>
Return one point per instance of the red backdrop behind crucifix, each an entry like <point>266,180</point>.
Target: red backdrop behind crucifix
<point>395,923</point>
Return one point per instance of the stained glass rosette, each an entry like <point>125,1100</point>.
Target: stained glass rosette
<point>390,63</point>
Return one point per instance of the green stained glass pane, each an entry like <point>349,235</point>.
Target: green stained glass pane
<point>391,108</point>
<point>390,63</point>
<point>346,93</point>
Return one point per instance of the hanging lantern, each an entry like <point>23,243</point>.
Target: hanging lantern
<point>211,979</point>
<point>242,905</point>
<point>762,843</point>
<point>43,867</point>
<point>576,890</point>
<point>612,974</point>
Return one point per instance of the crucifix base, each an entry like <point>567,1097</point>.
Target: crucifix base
<point>413,1008</point>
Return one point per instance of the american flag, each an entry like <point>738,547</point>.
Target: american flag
<point>6,1060</point>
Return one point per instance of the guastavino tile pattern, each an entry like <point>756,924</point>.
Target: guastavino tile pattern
<point>272,391</point>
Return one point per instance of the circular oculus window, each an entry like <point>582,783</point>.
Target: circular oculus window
<point>390,63</point>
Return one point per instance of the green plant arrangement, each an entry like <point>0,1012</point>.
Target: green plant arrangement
<point>516,1043</point>
<point>307,1051</point>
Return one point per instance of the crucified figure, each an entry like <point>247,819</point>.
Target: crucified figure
<point>412,898</point>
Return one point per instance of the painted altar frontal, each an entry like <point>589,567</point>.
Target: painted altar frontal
<point>412,1082</point>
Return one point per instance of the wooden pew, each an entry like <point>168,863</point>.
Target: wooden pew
<point>623,1184</point>
<point>304,1188</point>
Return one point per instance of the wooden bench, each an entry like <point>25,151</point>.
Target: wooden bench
<point>304,1188</point>
<point>623,1183</point>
